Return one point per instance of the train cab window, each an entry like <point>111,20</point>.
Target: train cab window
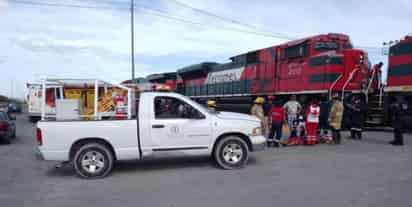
<point>325,46</point>
<point>296,51</point>
<point>252,58</point>
<point>347,45</point>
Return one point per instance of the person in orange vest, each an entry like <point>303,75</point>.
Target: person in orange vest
<point>335,118</point>
<point>312,122</point>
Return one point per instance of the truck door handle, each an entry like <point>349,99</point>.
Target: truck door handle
<point>158,126</point>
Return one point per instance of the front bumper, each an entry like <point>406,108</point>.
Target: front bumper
<point>258,143</point>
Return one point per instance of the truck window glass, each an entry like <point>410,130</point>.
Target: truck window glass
<point>172,108</point>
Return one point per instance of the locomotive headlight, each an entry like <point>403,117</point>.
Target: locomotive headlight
<point>361,58</point>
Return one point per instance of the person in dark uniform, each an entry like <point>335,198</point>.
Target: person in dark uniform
<point>347,114</point>
<point>323,116</point>
<point>398,109</point>
<point>357,117</point>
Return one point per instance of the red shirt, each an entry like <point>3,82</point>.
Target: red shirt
<point>277,114</point>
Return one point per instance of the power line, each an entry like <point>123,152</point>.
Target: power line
<point>232,21</point>
<point>160,13</point>
<point>182,20</point>
<point>62,5</point>
<point>166,15</point>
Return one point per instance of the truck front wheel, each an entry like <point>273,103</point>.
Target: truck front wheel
<point>93,160</point>
<point>231,152</point>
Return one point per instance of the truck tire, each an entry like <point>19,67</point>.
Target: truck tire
<point>231,152</point>
<point>93,160</point>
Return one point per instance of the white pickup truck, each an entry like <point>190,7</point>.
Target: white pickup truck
<point>165,122</point>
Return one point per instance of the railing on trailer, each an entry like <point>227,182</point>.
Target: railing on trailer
<point>60,83</point>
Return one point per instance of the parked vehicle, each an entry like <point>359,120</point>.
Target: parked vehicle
<point>166,122</point>
<point>15,107</point>
<point>7,127</point>
<point>34,100</point>
<point>4,107</point>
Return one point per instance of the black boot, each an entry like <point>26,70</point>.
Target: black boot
<point>352,134</point>
<point>397,143</point>
<point>359,135</point>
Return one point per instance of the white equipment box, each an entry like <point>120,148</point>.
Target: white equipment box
<point>68,109</point>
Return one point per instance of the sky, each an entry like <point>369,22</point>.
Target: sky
<point>72,42</point>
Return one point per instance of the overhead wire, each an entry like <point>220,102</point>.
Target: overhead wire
<point>157,12</point>
<point>166,15</point>
<point>232,21</point>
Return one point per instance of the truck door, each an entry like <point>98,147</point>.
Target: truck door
<point>178,126</point>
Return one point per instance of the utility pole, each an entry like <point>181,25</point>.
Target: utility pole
<point>132,37</point>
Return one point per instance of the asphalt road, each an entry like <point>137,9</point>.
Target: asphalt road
<point>357,173</point>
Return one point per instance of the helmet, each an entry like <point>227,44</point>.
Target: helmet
<point>211,103</point>
<point>259,100</point>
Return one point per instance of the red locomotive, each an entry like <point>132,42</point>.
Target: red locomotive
<point>400,67</point>
<point>315,65</point>
<point>399,80</point>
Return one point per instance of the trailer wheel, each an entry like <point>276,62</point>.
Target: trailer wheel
<point>231,153</point>
<point>93,160</point>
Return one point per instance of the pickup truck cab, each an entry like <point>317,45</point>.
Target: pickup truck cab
<point>165,122</point>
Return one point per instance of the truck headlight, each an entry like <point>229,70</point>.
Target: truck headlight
<point>257,131</point>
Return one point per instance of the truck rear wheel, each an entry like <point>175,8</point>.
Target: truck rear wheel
<point>231,153</point>
<point>93,160</point>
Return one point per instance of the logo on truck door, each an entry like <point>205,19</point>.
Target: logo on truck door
<point>174,130</point>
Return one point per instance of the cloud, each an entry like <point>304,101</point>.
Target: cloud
<point>3,4</point>
<point>48,43</point>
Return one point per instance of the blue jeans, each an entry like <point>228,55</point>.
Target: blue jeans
<point>276,128</point>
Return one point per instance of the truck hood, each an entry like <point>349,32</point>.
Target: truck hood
<point>236,116</point>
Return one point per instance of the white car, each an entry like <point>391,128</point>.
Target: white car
<point>165,122</point>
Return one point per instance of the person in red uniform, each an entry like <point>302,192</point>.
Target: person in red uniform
<point>312,122</point>
<point>378,73</point>
<point>120,101</point>
<point>277,118</point>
